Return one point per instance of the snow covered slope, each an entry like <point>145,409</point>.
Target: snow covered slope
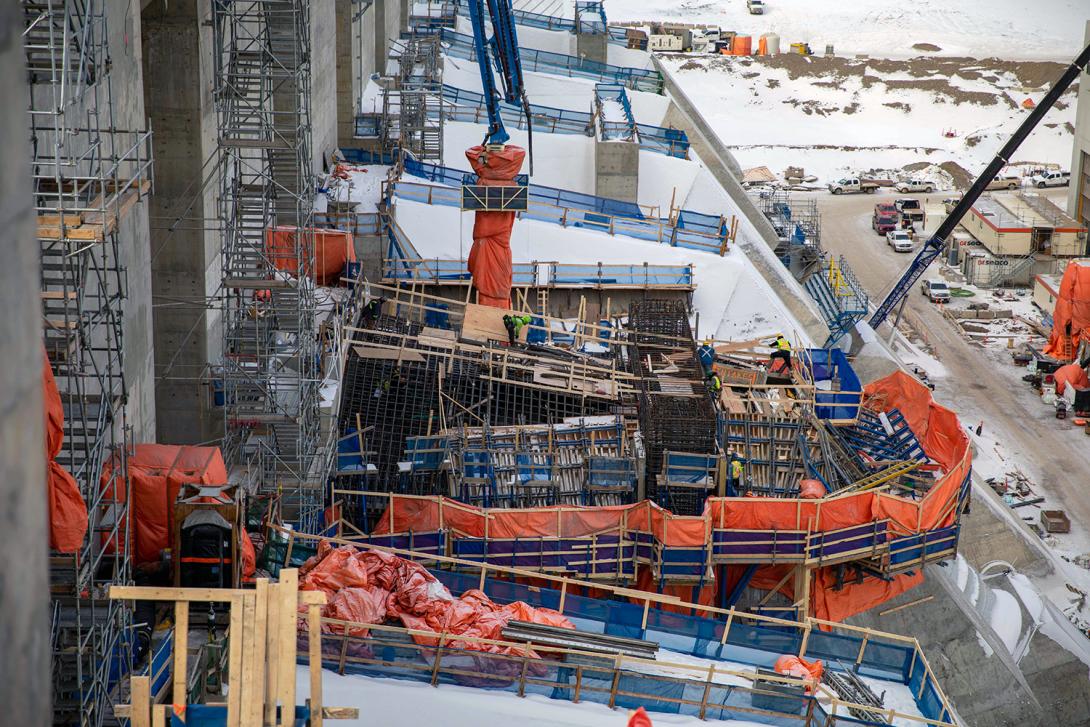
<point>838,116</point>
<point>1051,29</point>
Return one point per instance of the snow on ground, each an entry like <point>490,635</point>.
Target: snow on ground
<point>1053,29</point>
<point>733,300</point>
<point>385,702</point>
<point>835,117</point>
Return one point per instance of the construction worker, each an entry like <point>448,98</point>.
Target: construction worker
<point>707,355</point>
<point>372,311</point>
<point>735,478</point>
<point>714,384</point>
<point>782,352</point>
<point>514,324</point>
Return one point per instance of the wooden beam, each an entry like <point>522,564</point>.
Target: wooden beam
<point>314,647</point>
<point>140,711</point>
<point>289,585</point>
<point>181,656</point>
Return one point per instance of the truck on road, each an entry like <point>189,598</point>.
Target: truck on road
<point>936,291</point>
<point>910,208</point>
<point>914,185</point>
<point>853,185</point>
<point>1004,181</point>
<point>1051,179</point>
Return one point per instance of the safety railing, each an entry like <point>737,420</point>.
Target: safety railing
<point>704,631</point>
<point>436,271</point>
<point>615,120</point>
<point>460,45</point>
<point>655,230</point>
<point>617,35</point>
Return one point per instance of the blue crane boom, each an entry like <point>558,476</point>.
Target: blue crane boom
<point>504,49</point>
<point>935,244</point>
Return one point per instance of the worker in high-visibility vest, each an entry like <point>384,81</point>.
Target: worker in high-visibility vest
<point>714,384</point>
<point>782,352</point>
<point>514,325</point>
<point>734,481</point>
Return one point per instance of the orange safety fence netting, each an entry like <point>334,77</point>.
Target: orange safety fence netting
<point>1071,315</point>
<point>67,510</point>
<point>490,257</point>
<point>156,474</point>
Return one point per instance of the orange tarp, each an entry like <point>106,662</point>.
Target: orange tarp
<point>332,250</point>
<point>67,510</point>
<point>156,474</point>
<point>1071,316</point>
<point>1072,374</point>
<point>490,257</point>
<point>854,598</point>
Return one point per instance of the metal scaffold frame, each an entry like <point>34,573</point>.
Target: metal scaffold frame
<point>87,175</point>
<point>412,103</point>
<point>262,89</point>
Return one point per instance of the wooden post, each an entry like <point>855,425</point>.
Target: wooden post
<point>289,589</point>
<point>314,647</point>
<point>707,690</point>
<point>234,665</point>
<point>250,694</point>
<point>522,675</point>
<point>435,666</point>
<point>578,683</point>
<point>616,681</point>
<point>272,653</point>
<point>181,667</point>
<point>140,711</point>
<point>257,646</point>
<point>344,651</point>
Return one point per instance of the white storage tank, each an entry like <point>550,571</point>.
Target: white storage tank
<point>772,43</point>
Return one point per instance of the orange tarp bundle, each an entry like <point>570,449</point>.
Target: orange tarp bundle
<point>332,251</point>
<point>1072,374</point>
<point>742,45</point>
<point>156,474</point>
<point>490,257</point>
<point>1071,316</point>
<point>67,510</point>
<point>371,586</point>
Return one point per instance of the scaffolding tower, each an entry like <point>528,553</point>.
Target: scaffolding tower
<point>412,103</point>
<point>262,87</point>
<point>87,175</point>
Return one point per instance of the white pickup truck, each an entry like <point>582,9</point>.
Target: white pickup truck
<point>914,185</point>
<point>935,291</point>
<point>853,185</point>
<point>1051,179</point>
<point>756,7</point>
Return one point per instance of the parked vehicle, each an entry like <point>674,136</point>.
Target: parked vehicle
<point>914,185</point>
<point>886,208</point>
<point>899,240</point>
<point>935,291</point>
<point>1004,181</point>
<point>756,7</point>
<point>911,208</point>
<point>852,185</point>
<point>950,203</point>
<point>1051,179</point>
<point>884,221</point>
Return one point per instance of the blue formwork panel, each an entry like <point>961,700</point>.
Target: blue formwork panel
<point>831,365</point>
<point>729,546</point>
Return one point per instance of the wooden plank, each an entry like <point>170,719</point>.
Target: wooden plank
<point>140,711</point>
<point>250,693</point>
<point>72,219</point>
<point>485,323</point>
<point>160,715</point>
<point>289,586</point>
<point>57,295</point>
<point>381,354</point>
<point>314,647</point>
<point>159,593</point>
<point>272,653</point>
<point>340,712</point>
<point>255,712</point>
<point>234,666</point>
<point>178,697</point>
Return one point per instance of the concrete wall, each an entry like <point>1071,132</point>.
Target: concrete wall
<point>348,76</point>
<point>592,46</point>
<point>1080,174</point>
<point>323,80</point>
<point>1045,685</point>
<point>683,114</point>
<point>126,78</point>
<point>24,588</point>
<point>186,252</point>
<point>617,170</point>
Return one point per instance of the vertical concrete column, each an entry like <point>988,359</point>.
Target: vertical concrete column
<point>324,79</point>
<point>24,529</point>
<point>348,82</point>
<point>592,46</point>
<point>177,57</point>
<point>1080,175</point>
<point>379,8</point>
<point>617,170</point>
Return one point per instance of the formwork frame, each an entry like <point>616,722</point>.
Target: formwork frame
<point>87,175</point>
<point>413,105</point>
<point>262,89</point>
